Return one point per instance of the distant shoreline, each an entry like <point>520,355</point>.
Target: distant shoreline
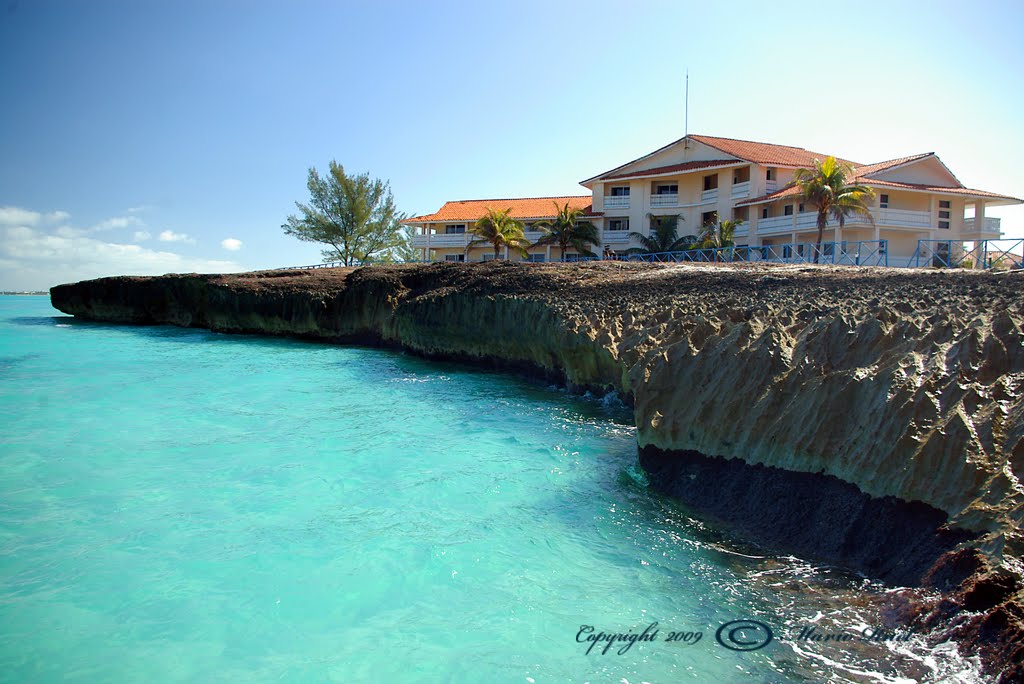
<point>33,294</point>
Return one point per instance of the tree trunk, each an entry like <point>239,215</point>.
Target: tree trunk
<point>822,220</point>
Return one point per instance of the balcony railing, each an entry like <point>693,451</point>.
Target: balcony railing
<point>616,201</point>
<point>771,185</point>
<point>990,224</point>
<point>740,189</point>
<point>665,200</point>
<point>442,240</point>
<point>616,236</point>
<point>709,195</point>
<point>883,217</point>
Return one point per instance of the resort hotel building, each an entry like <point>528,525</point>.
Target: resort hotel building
<point>704,179</point>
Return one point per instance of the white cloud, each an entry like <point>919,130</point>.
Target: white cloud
<point>171,236</point>
<point>13,216</point>
<point>118,222</point>
<point>35,260</point>
<point>140,235</point>
<point>231,244</point>
<point>33,257</point>
<point>16,216</point>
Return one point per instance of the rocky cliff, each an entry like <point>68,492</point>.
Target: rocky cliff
<point>866,417</point>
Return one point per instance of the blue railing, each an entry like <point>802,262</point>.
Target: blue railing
<point>983,254</point>
<point>861,253</point>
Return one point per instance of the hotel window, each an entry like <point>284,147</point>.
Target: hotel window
<point>456,229</point>
<point>944,214</point>
<point>944,204</point>
<point>618,224</point>
<point>666,189</point>
<point>769,174</point>
<point>741,175</point>
<point>711,182</point>
<point>787,251</point>
<point>535,258</point>
<point>620,191</point>
<point>800,250</point>
<point>709,218</point>
<point>944,225</point>
<point>787,210</point>
<point>883,201</point>
<point>801,208</point>
<point>490,257</point>
<point>764,213</point>
<point>454,257</point>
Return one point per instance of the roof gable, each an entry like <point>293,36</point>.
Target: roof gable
<point>923,169</point>
<point>766,154</point>
<point>678,153</point>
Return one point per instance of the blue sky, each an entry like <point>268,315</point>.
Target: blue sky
<point>138,137</point>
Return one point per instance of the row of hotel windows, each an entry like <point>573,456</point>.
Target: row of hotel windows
<point>710,183</point>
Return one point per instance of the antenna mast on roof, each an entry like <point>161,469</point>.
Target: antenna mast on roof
<point>686,112</point>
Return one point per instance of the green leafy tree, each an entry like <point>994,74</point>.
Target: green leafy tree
<point>404,251</point>
<point>721,235</point>
<point>499,229</point>
<point>663,238</point>
<point>827,188</point>
<point>567,229</point>
<point>354,214</point>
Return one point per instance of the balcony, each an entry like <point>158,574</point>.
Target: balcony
<point>616,202</point>
<point>442,240</point>
<point>990,224</point>
<point>740,189</point>
<point>771,186</point>
<point>709,195</point>
<point>614,236</point>
<point>889,218</point>
<point>665,200</point>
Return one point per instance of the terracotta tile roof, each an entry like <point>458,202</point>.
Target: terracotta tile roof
<point>788,191</point>
<point>674,168</point>
<point>967,192</point>
<point>868,169</point>
<point>520,208</point>
<point>792,191</point>
<point>764,153</point>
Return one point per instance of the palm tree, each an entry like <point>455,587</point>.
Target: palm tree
<point>567,229</point>
<point>720,235</point>
<point>827,188</point>
<point>498,228</point>
<point>663,237</point>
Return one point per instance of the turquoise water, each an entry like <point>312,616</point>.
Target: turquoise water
<point>183,506</point>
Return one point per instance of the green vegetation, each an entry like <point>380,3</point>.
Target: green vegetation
<point>721,235</point>
<point>663,237</point>
<point>499,229</point>
<point>827,188</point>
<point>567,229</point>
<point>354,215</point>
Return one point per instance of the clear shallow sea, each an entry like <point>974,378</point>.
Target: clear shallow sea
<point>183,506</point>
